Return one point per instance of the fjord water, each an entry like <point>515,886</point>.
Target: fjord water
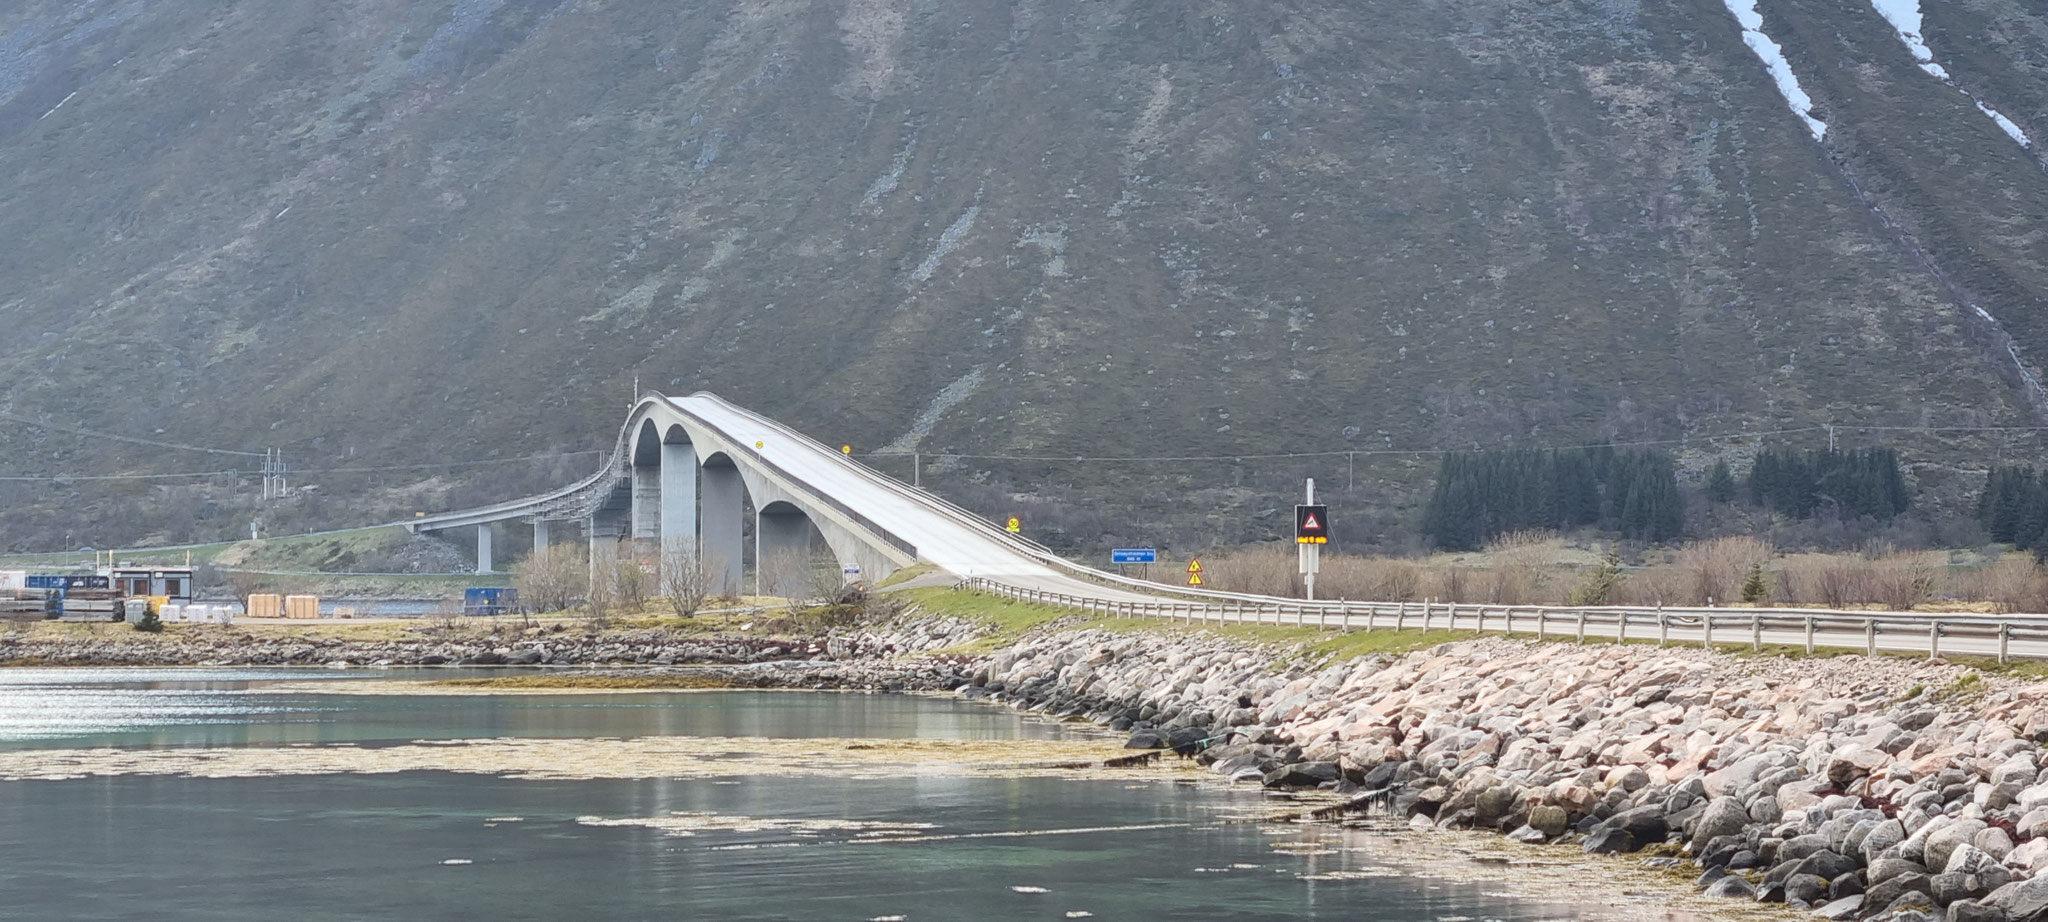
<point>436,845</point>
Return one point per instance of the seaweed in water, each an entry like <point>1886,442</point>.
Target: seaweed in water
<point>1133,761</point>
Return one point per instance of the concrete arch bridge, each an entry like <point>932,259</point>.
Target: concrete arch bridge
<point>688,469</point>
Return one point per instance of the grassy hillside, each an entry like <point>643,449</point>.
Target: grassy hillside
<point>388,232</point>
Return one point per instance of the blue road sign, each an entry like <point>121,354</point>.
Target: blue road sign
<point>1133,555</point>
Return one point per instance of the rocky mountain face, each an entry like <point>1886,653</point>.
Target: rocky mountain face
<point>392,232</point>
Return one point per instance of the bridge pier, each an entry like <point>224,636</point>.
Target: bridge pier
<point>678,493</point>
<point>542,535</point>
<point>483,548</point>
<point>647,508</point>
<point>724,500</point>
<point>782,551</point>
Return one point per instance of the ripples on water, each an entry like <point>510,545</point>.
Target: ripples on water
<point>436,845</point>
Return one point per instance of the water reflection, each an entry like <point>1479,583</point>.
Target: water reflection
<point>163,708</point>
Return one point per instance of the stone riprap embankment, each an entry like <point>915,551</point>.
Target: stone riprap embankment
<point>552,645</point>
<point>1857,788</point>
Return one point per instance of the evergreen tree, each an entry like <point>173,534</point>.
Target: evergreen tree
<point>1598,586</point>
<point>1756,587</point>
<point>1720,482</point>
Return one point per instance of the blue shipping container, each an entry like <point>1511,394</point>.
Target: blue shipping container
<point>489,600</point>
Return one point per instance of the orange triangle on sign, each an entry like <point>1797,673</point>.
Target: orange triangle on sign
<point>1309,522</point>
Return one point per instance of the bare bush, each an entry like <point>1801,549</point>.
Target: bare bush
<point>1379,579</point>
<point>1661,586</point>
<point>1716,567</point>
<point>1451,583</point>
<point>1827,580</point>
<point>1266,570</point>
<point>685,577</point>
<point>631,582</point>
<point>1520,560</point>
<point>242,584</point>
<point>1898,582</point>
<point>600,598</point>
<point>550,578</point>
<point>2016,583</point>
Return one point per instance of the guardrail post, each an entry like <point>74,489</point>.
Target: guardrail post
<point>1663,626</point>
<point>1707,630</point>
<point>1756,632</point>
<point>1870,637</point>
<point>1934,640</point>
<point>1809,635</point>
<point>2004,635</point>
<point>1542,628</point>
<point>1323,616</point>
<point>1401,617</point>
<point>1582,625</point>
<point>1621,628</point>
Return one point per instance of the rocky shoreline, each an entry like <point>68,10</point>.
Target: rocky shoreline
<point>1857,788</point>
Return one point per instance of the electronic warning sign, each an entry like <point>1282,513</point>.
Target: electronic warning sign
<point>1311,524</point>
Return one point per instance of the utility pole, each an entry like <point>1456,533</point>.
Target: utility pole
<point>1831,438</point>
<point>916,469</point>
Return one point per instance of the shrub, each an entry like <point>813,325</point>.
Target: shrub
<point>2013,584</point>
<point>1599,586</point>
<point>1756,587</point>
<point>1716,566</point>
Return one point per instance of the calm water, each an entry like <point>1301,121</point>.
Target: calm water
<point>427,845</point>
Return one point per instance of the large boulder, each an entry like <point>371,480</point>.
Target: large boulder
<point>1880,837</point>
<point>1724,816</point>
<point>1550,820</point>
<point>1644,825</point>
<point>1732,887</point>
<point>1301,775</point>
<point>1950,837</point>
<point>1805,888</point>
<point>2021,901</point>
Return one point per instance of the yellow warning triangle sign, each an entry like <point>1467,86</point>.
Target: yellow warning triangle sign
<point>1194,579</point>
<point>1194,566</point>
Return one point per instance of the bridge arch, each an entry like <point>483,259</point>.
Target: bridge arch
<point>676,479</point>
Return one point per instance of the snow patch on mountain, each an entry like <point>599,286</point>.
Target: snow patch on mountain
<point>1773,57</point>
<point>1904,15</point>
<point>947,398</point>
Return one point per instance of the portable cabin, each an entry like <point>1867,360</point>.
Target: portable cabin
<point>173,584</point>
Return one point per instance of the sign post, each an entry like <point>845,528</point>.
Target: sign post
<point>1311,532</point>
<point>1128,555</point>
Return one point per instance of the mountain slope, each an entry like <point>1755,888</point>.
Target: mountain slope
<point>412,231</point>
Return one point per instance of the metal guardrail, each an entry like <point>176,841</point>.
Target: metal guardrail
<point>1876,630</point>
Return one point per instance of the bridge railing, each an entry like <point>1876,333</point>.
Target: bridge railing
<point>1869,631</point>
<point>888,537</point>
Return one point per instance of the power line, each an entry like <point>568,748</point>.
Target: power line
<point>153,443</point>
<point>66,478</point>
<point>1343,452</point>
<point>1352,452</point>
